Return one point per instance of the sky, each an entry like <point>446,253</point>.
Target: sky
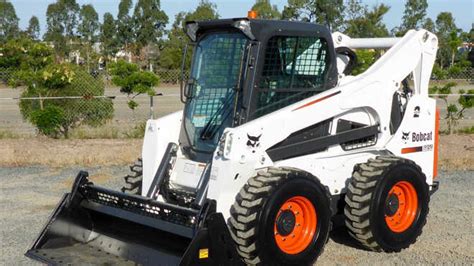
<point>462,10</point>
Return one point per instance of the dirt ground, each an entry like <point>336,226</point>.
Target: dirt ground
<point>29,194</point>
<point>456,152</point>
<point>62,153</point>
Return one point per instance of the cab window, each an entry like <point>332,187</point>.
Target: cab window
<point>294,68</point>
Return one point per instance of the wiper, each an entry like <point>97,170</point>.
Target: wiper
<point>210,129</point>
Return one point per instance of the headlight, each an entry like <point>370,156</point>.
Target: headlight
<point>225,145</point>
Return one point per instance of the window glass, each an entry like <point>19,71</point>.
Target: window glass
<point>216,70</point>
<point>294,68</point>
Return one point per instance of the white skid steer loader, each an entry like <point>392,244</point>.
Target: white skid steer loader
<point>276,139</point>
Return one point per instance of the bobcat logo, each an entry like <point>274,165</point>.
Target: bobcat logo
<point>405,136</point>
<point>253,141</point>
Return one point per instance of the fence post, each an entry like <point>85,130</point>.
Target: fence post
<point>151,107</point>
<point>152,111</point>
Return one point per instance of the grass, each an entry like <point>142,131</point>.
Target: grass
<point>7,134</point>
<point>110,132</point>
<point>466,130</point>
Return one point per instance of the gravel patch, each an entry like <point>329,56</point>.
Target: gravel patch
<point>28,195</point>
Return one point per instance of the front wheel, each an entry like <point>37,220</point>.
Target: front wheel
<point>281,217</point>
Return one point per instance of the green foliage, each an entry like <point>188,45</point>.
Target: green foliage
<point>445,26</point>
<point>108,36</point>
<point>171,56</point>
<point>266,10</point>
<point>429,25</point>
<point>149,21</point>
<point>325,12</point>
<point>454,112</point>
<point>33,29</point>
<point>466,130</point>
<point>439,73</point>
<point>25,59</point>
<point>8,21</point>
<point>365,58</point>
<point>365,22</point>
<point>48,120</point>
<point>467,100</point>
<point>454,71</point>
<point>132,80</point>
<point>132,104</point>
<point>137,132</point>
<point>62,19</point>
<point>57,117</point>
<point>32,66</point>
<point>413,16</point>
<point>125,32</point>
<point>89,26</point>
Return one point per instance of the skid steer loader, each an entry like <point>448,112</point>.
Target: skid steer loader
<point>275,140</point>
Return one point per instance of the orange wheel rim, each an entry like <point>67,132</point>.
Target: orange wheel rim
<point>401,206</point>
<point>295,225</point>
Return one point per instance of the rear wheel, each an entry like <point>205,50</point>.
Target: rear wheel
<point>133,181</point>
<point>281,216</point>
<point>387,203</point>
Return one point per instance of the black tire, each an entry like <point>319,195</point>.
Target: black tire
<point>133,181</point>
<point>255,209</point>
<point>367,203</point>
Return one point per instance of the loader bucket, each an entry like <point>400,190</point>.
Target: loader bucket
<point>94,225</point>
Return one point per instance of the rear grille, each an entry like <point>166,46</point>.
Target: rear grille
<point>142,206</point>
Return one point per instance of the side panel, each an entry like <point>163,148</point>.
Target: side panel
<point>415,138</point>
<point>158,134</point>
<point>366,98</point>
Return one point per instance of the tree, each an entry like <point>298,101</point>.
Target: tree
<point>367,23</point>
<point>88,31</point>
<point>61,19</point>
<point>33,29</point>
<point>453,42</point>
<point>325,12</point>
<point>89,27</point>
<point>8,21</point>
<point>204,11</point>
<point>266,10</point>
<point>354,10</point>
<point>445,25</point>
<point>171,56</point>
<point>413,16</point>
<point>149,21</point>
<point>125,34</point>
<point>108,36</point>
<point>133,81</point>
<point>429,25</point>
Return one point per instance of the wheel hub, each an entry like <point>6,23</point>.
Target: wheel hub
<point>392,204</point>
<point>401,206</point>
<point>285,222</point>
<point>295,225</point>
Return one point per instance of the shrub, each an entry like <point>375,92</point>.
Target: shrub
<point>132,80</point>
<point>56,117</point>
<point>365,58</point>
<point>438,73</point>
<point>454,112</point>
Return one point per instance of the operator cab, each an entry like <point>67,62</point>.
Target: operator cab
<point>243,69</point>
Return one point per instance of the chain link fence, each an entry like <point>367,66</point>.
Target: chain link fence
<point>107,115</point>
